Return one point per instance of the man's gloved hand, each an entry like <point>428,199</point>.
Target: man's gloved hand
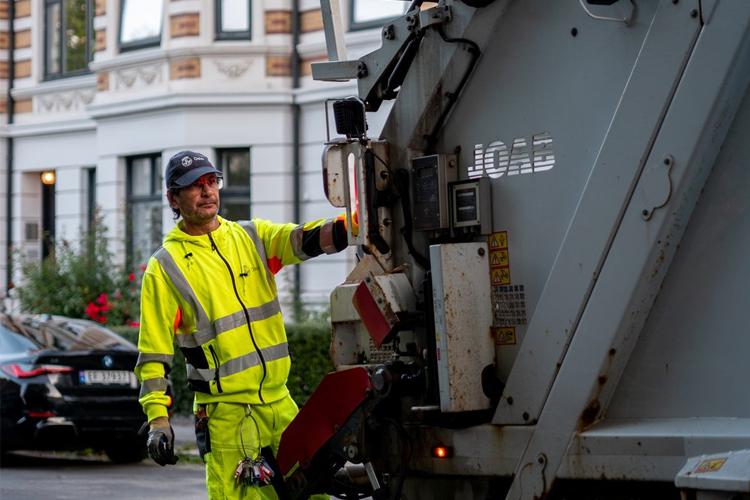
<point>160,442</point>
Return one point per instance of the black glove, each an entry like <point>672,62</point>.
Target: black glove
<point>160,442</point>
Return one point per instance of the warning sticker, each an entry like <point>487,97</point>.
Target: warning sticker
<point>508,301</point>
<point>711,465</point>
<point>499,240</point>
<point>499,258</point>
<point>504,335</point>
<point>500,276</point>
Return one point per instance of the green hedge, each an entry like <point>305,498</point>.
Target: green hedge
<point>308,345</point>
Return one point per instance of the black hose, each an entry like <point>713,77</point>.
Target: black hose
<point>453,96</point>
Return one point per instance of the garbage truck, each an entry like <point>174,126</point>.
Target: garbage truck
<point>551,297</point>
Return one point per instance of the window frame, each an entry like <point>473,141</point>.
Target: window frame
<point>220,34</point>
<point>61,50</point>
<point>143,43</point>
<point>130,199</point>
<point>375,23</point>
<point>229,192</point>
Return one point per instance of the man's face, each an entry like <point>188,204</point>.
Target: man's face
<point>199,202</point>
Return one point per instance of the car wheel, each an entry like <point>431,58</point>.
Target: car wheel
<point>126,451</point>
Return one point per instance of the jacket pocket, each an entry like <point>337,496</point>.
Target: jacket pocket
<point>217,377</point>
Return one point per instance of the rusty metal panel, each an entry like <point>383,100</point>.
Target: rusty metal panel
<point>463,318</point>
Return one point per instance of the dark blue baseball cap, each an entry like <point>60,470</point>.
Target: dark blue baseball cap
<point>186,167</point>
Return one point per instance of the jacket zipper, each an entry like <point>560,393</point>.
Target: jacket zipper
<point>216,365</point>
<point>247,319</point>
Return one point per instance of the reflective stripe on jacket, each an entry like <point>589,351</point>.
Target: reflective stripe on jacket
<point>215,297</point>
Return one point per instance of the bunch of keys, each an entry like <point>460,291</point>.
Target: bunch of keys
<point>253,472</point>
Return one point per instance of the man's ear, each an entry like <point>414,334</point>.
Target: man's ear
<point>172,199</point>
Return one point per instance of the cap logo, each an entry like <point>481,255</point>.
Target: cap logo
<point>199,158</point>
<point>187,161</point>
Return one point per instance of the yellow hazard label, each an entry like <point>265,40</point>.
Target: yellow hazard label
<point>499,258</point>
<point>500,276</point>
<point>498,240</point>
<point>505,335</point>
<point>711,465</point>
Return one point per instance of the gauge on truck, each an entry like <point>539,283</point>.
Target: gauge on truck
<point>471,204</point>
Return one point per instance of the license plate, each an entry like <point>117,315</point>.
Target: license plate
<point>108,377</point>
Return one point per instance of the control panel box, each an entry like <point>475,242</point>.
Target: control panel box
<point>430,178</point>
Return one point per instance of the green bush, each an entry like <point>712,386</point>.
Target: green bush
<point>308,345</point>
<point>80,281</point>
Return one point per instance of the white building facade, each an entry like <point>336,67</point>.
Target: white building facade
<point>101,93</point>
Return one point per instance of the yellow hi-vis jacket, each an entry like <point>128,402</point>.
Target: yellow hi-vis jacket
<point>215,297</point>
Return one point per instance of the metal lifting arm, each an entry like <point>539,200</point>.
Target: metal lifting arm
<point>381,72</point>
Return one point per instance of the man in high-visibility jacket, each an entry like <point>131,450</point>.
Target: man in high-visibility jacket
<point>210,290</point>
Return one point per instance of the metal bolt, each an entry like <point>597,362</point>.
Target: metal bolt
<point>389,33</point>
<point>574,32</point>
<point>644,213</point>
<point>694,13</point>
<point>452,163</point>
<point>667,160</point>
<point>480,251</point>
<point>509,399</point>
<point>361,70</point>
<point>526,417</point>
<point>541,459</point>
<point>675,2</point>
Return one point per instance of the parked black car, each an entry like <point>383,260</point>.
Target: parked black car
<point>68,384</point>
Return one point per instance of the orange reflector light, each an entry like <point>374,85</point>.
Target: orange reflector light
<point>441,451</point>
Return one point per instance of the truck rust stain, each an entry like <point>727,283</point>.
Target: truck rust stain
<point>589,414</point>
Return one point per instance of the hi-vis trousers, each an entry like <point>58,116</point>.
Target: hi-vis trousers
<point>221,447</point>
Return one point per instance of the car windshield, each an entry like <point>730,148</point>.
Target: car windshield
<point>14,343</point>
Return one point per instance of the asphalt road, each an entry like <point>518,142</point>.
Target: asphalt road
<point>48,476</point>
<point>52,476</point>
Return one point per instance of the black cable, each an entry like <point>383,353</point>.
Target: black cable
<point>453,96</point>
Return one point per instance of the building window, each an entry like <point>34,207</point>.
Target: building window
<point>370,13</point>
<point>235,196</point>
<point>68,37</point>
<point>233,19</point>
<point>144,207</point>
<point>140,23</point>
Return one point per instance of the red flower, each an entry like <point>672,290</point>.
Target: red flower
<point>134,324</point>
<point>92,311</point>
<point>131,277</point>
<point>102,299</point>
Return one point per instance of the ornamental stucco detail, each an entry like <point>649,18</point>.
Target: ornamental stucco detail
<point>75,100</point>
<point>232,69</point>
<point>142,76</point>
